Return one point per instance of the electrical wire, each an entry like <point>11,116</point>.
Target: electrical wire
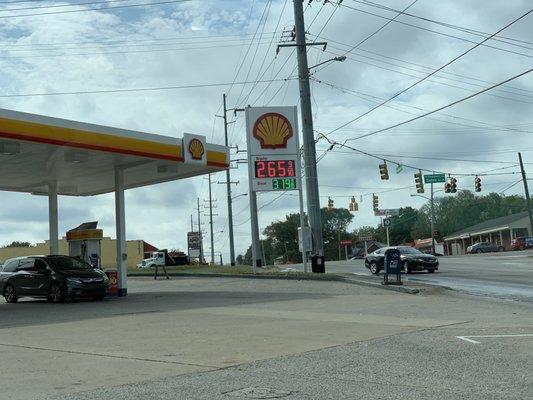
<point>443,107</point>
<point>103,91</point>
<point>437,70</point>
<point>101,9</point>
<point>436,32</point>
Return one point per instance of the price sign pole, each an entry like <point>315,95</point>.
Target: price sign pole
<point>274,162</point>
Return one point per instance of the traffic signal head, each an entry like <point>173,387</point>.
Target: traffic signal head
<point>419,182</point>
<point>384,171</point>
<point>375,202</point>
<point>330,203</point>
<point>447,187</point>
<point>478,184</point>
<point>453,185</point>
<point>353,206</point>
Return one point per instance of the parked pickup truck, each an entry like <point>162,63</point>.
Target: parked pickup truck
<point>161,258</point>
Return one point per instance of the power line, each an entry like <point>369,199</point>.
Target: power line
<point>365,96</point>
<point>433,31</point>
<point>104,9</point>
<point>435,71</point>
<point>329,40</point>
<point>429,80</point>
<point>443,107</point>
<point>89,3</point>
<point>447,25</point>
<point>192,86</point>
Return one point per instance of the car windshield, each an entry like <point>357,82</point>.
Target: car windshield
<point>409,250</point>
<point>66,263</point>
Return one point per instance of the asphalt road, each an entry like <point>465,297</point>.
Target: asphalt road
<point>502,275</point>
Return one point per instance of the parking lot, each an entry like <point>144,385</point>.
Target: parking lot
<point>208,338</point>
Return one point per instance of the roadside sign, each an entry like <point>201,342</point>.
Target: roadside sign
<point>273,148</point>
<point>194,244</point>
<point>435,178</point>
<point>365,238</point>
<point>346,242</point>
<point>386,212</point>
<point>387,222</point>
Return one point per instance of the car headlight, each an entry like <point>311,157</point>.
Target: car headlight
<point>74,281</point>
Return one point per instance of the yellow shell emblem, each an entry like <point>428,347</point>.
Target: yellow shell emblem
<point>273,131</point>
<point>196,149</point>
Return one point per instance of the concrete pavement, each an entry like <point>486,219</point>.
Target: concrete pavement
<point>200,338</point>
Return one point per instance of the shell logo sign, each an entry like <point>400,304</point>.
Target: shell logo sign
<point>273,131</point>
<point>196,149</point>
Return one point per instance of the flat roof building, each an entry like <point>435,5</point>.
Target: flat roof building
<point>500,231</point>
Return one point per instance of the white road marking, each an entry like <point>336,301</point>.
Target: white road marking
<point>468,338</point>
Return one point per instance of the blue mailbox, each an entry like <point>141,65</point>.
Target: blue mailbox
<point>392,266</point>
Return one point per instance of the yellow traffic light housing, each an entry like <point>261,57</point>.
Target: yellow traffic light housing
<point>384,171</point>
<point>419,182</point>
<point>478,184</point>
<point>375,202</point>
<point>453,185</point>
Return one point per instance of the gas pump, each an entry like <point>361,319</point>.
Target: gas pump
<point>85,242</point>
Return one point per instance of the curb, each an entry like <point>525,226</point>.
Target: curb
<point>321,277</point>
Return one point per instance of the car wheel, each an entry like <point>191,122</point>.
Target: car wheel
<point>374,268</point>
<point>407,268</point>
<point>9,294</point>
<point>55,294</point>
<point>431,271</point>
<point>478,251</point>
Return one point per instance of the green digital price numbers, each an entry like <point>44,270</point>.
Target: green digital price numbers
<point>284,184</point>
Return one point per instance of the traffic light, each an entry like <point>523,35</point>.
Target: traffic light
<point>375,202</point>
<point>353,206</point>
<point>453,185</point>
<point>478,184</point>
<point>419,181</point>
<point>384,171</point>
<point>330,203</point>
<point>447,187</point>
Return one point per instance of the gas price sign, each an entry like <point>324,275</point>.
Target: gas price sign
<point>275,173</point>
<point>273,150</point>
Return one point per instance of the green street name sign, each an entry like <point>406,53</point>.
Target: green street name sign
<point>436,178</point>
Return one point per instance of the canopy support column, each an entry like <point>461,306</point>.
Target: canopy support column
<point>120,216</point>
<point>53,218</point>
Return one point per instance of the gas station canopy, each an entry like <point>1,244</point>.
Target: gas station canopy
<point>81,159</point>
<point>51,156</point>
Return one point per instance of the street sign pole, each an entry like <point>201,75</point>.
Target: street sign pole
<point>432,222</point>
<point>388,238</point>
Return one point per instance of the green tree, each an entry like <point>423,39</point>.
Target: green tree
<point>334,224</point>
<point>18,244</point>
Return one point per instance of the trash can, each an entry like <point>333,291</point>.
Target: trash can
<point>317,264</point>
<point>112,274</point>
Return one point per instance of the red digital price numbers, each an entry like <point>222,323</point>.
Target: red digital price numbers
<point>275,169</point>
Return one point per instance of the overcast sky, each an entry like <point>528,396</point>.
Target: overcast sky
<point>224,41</point>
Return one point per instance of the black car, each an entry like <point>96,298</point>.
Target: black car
<point>56,278</point>
<point>412,260</point>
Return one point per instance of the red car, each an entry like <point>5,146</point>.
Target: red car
<point>522,243</point>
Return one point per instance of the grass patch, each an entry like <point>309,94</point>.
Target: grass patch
<point>244,270</point>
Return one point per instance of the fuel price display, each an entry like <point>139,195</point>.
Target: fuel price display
<point>275,169</point>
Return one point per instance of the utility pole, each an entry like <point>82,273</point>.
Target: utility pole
<point>432,222</point>
<point>311,177</point>
<point>200,232</point>
<point>526,189</point>
<point>228,188</point>
<point>211,223</point>
<point>192,226</point>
